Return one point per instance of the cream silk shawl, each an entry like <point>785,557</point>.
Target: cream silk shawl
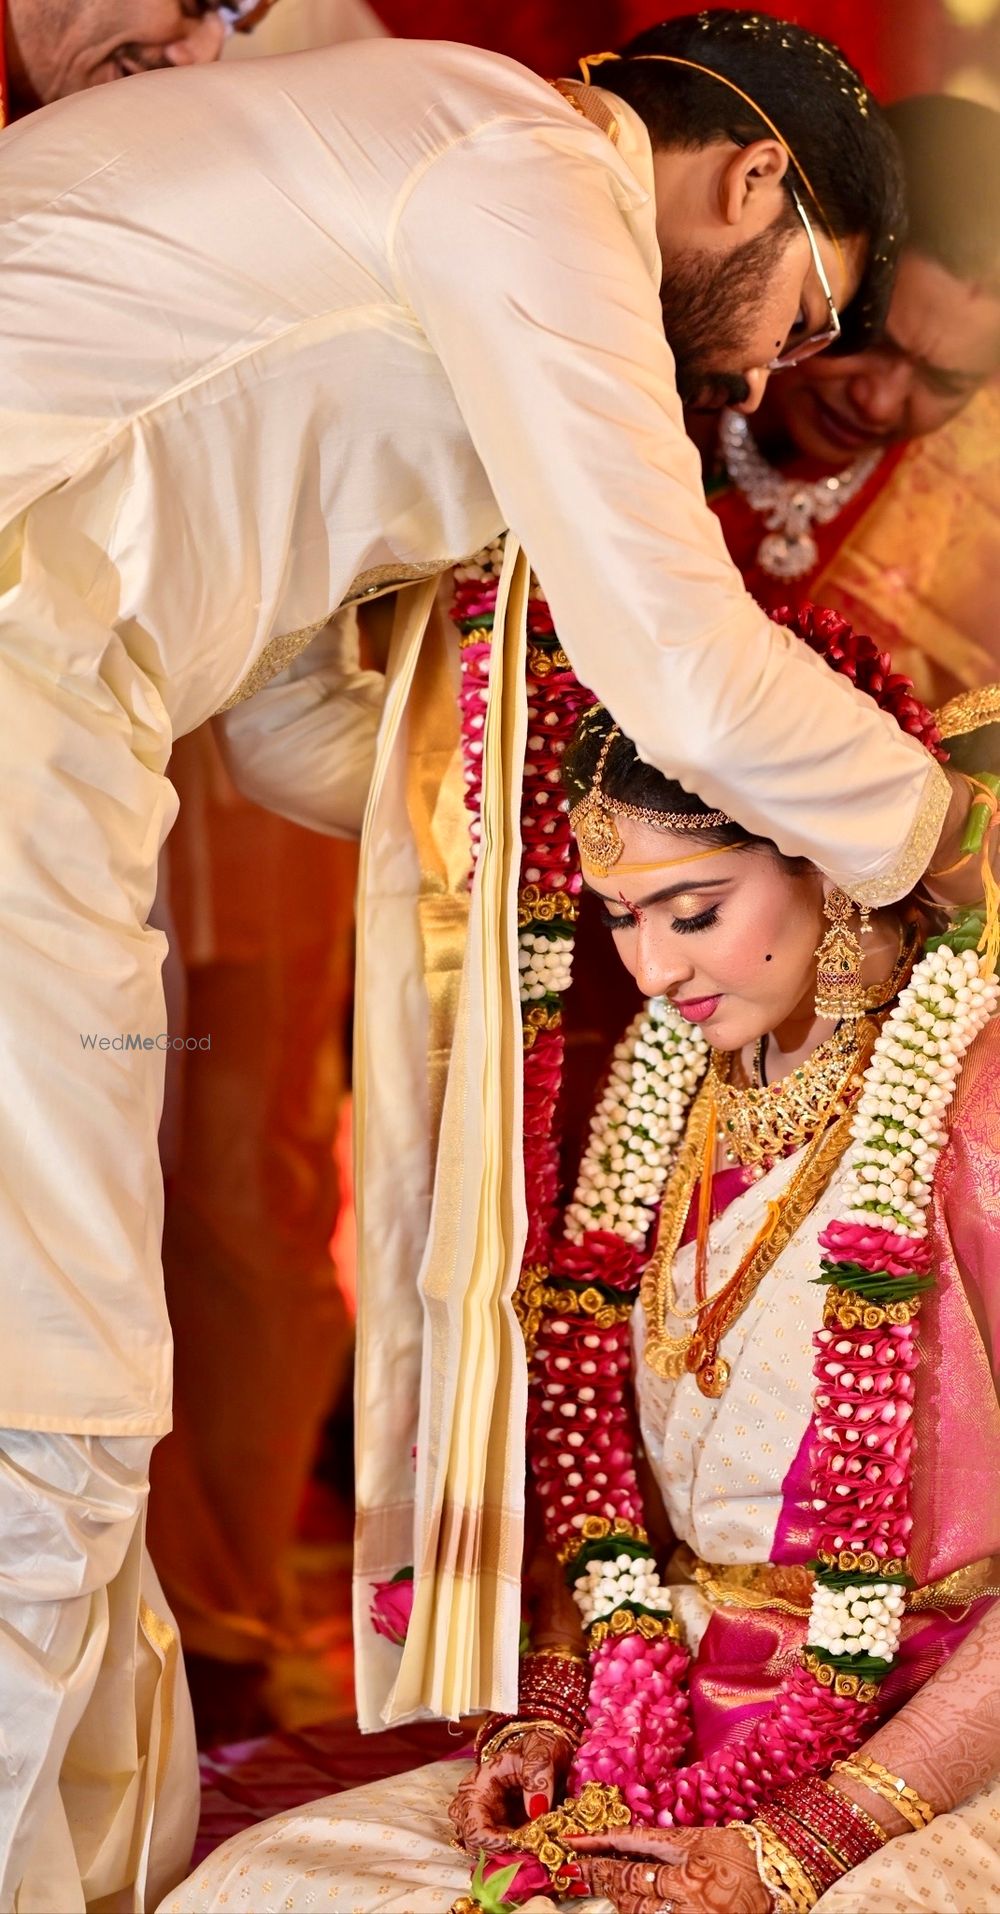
<point>441,1221</point>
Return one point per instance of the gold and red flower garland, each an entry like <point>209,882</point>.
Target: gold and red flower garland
<point>548,895</point>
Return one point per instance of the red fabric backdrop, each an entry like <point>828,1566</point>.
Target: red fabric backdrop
<point>901,46</point>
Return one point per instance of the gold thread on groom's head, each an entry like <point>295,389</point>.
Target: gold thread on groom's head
<point>675,59</point>
<point>592,821</point>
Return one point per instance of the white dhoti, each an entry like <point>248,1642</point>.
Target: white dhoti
<point>98,1778</point>
<point>386,1847</point>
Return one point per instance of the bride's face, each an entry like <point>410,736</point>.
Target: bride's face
<point>730,939</point>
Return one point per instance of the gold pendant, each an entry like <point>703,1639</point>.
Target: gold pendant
<point>713,1376</point>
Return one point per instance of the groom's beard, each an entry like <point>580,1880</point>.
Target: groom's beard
<point>710,302</point>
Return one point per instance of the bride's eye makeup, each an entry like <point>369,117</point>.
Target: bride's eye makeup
<point>704,920</point>
<point>618,920</point>
<point>627,920</point>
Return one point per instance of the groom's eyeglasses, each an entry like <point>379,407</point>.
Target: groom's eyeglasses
<point>793,355</point>
<point>241,16</point>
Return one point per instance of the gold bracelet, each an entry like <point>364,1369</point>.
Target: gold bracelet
<point>511,1730</point>
<point>891,1787</point>
<point>558,1651</point>
<point>754,1838</point>
<point>783,1873</point>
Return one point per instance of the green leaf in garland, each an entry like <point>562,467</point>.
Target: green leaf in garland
<point>868,1667</point>
<point>965,931</point>
<point>874,1286</point>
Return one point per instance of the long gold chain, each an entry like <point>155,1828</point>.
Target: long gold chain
<point>696,1351</point>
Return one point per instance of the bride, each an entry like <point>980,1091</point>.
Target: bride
<point>780,1687</point>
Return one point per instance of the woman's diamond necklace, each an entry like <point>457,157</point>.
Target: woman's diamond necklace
<point>790,507</point>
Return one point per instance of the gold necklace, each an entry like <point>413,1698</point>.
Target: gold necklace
<point>697,1351</point>
<point>760,1122</point>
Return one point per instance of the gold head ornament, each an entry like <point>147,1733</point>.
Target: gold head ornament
<point>592,821</point>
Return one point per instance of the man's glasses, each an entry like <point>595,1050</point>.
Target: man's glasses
<point>241,16</point>
<point>817,341</point>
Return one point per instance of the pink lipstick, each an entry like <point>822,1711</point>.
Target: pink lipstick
<point>697,1009</point>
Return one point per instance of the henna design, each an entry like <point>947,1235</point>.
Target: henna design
<point>945,1741</point>
<point>713,1871</point>
<point>497,1797</point>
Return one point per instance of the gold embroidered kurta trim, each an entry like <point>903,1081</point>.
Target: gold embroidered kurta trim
<point>916,854</point>
<point>277,653</point>
<point>589,101</point>
<point>280,652</point>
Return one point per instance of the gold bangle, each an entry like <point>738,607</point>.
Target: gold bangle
<point>558,1651</point>
<point>754,1838</point>
<point>891,1787</point>
<point>511,1731</point>
<point>783,1872</point>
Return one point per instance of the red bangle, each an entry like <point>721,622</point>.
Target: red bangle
<point>823,1830</point>
<point>550,1688</point>
<point>554,1688</point>
<point>852,1834</point>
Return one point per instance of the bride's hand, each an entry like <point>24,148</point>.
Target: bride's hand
<point>518,1784</point>
<point>688,1870</point>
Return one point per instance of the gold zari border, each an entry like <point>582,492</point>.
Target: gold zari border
<point>280,652</point>
<point>788,1588</point>
<point>875,892</point>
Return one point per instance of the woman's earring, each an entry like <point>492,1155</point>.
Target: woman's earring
<point>839,989</point>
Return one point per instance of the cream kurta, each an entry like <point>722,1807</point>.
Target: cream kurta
<point>269,333</point>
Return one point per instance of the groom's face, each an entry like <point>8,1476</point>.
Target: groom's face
<point>727,314</point>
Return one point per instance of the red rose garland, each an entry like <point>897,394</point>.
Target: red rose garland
<point>550,878</point>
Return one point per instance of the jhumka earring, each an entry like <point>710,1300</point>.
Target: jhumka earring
<point>839,989</point>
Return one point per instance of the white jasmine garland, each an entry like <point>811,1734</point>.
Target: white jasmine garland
<point>545,964</point>
<point>899,1126</point>
<point>863,1619</point>
<point>637,1125</point>
<point>487,563</point>
<point>631,1580</point>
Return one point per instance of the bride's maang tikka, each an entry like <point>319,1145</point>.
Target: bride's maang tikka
<point>592,821</point>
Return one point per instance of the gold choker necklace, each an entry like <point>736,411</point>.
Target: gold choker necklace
<point>761,1123</point>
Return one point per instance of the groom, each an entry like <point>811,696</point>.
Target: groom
<point>274,340</point>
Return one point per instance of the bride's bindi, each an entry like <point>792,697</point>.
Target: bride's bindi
<point>634,910</point>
